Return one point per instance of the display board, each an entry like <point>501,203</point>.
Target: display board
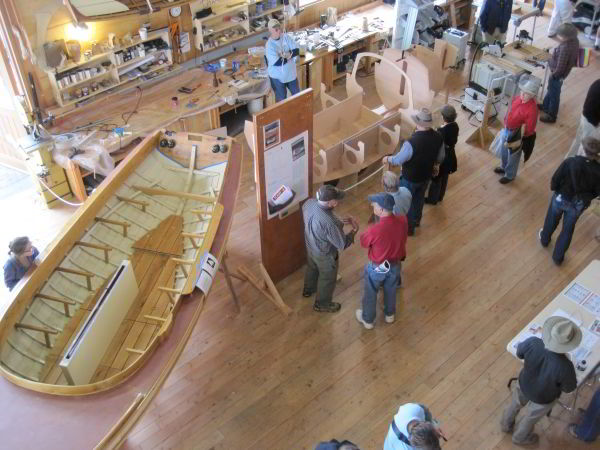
<point>283,137</point>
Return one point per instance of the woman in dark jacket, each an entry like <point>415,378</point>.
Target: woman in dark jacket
<point>437,187</point>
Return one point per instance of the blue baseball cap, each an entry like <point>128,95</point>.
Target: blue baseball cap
<point>384,200</point>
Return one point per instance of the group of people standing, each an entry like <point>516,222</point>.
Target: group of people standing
<point>427,160</point>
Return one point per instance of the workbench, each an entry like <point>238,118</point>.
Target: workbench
<point>380,17</point>
<point>580,302</point>
<point>141,111</point>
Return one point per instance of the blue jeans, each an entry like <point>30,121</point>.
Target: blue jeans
<point>570,212</point>
<point>589,429</point>
<point>416,205</point>
<point>280,88</point>
<point>510,162</point>
<point>539,4</point>
<point>552,98</point>
<point>375,280</point>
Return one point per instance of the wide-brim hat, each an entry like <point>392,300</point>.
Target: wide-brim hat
<point>530,87</point>
<point>423,118</point>
<point>567,30</point>
<point>560,335</point>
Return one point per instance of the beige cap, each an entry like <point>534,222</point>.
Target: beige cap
<point>274,23</point>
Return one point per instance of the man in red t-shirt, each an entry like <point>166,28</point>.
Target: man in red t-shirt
<point>523,111</point>
<point>386,241</point>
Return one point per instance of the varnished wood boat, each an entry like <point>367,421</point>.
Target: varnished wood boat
<point>160,212</point>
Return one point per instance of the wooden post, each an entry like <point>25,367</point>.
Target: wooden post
<point>114,222</point>
<point>106,248</point>
<point>87,275</point>
<point>265,286</point>
<point>140,203</point>
<point>65,303</point>
<point>482,137</point>
<point>228,275</point>
<point>47,331</point>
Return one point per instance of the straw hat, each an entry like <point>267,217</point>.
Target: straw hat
<point>560,335</point>
<point>423,118</point>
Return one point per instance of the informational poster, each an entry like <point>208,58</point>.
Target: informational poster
<point>272,134</point>
<point>584,297</point>
<point>206,271</point>
<point>286,174</point>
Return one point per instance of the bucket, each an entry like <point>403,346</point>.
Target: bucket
<point>255,105</point>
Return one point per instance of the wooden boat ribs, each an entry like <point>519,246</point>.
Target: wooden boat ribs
<point>161,214</point>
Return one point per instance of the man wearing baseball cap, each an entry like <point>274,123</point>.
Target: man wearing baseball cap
<point>280,52</point>
<point>324,237</point>
<point>546,374</point>
<point>386,244</point>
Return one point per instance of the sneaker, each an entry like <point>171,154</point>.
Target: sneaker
<point>390,318</point>
<point>546,118</point>
<point>430,202</point>
<point>499,170</point>
<point>504,180</point>
<point>540,238</point>
<point>411,231</point>
<point>332,307</point>
<point>367,325</point>
<point>306,293</point>
<point>532,439</point>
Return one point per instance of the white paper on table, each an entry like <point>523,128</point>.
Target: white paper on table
<point>577,293</point>
<point>534,330</point>
<point>588,342</point>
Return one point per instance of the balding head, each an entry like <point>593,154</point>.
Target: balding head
<point>390,181</point>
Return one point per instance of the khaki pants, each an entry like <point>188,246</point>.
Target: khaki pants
<point>585,129</point>
<point>533,413</point>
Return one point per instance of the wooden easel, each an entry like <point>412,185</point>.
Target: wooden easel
<point>262,283</point>
<point>482,137</point>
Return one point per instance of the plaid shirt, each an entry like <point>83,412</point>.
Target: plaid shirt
<point>323,231</point>
<point>564,58</point>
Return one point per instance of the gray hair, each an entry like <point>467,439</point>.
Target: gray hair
<point>424,436</point>
<point>390,181</point>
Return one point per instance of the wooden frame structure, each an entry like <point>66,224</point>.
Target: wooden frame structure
<point>104,419</point>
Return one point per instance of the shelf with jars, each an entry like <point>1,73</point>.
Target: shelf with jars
<point>78,81</point>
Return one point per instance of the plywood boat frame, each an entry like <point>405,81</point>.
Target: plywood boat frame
<point>84,220</point>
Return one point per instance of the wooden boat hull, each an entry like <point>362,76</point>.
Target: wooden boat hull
<point>91,417</point>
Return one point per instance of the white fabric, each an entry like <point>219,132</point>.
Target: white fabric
<point>585,129</point>
<point>406,414</point>
<point>495,36</point>
<point>562,13</point>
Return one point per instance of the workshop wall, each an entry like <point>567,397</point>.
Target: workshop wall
<point>60,27</point>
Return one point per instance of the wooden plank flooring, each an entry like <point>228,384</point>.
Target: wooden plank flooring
<point>474,276</point>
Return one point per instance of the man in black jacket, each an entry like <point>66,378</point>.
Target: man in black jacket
<point>546,373</point>
<point>575,183</point>
<point>420,158</point>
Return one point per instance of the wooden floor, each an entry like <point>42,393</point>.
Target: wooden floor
<point>474,276</point>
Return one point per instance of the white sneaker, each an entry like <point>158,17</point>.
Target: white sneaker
<point>368,326</point>
<point>390,319</point>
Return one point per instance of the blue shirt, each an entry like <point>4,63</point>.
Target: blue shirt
<point>14,271</point>
<point>274,50</point>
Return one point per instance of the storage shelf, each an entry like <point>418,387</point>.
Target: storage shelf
<point>223,12</point>
<point>92,94</point>
<point>87,80</point>
<point>224,26</point>
<point>82,62</point>
<point>267,12</point>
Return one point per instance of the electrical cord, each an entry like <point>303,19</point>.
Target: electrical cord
<point>57,196</point>
<point>131,113</point>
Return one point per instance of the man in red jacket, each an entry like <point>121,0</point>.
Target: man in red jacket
<point>386,241</point>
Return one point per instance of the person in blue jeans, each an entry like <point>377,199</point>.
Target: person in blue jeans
<point>281,51</point>
<point>420,158</point>
<point>589,428</point>
<point>386,244</point>
<point>575,183</point>
<point>564,58</point>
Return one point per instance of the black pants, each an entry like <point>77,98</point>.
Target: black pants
<point>437,189</point>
